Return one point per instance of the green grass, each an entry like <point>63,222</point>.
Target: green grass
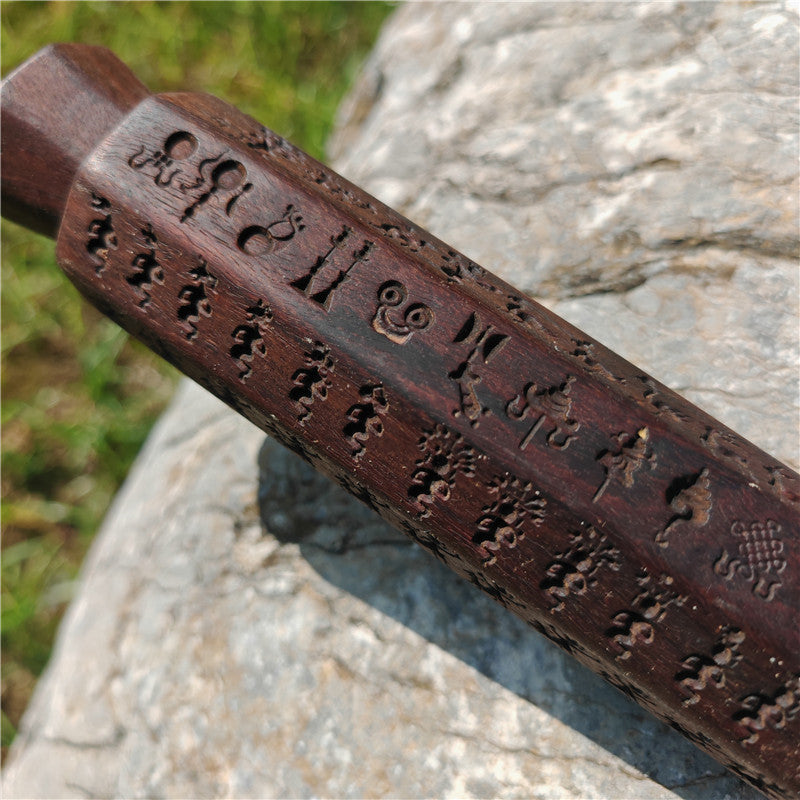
<point>78,396</point>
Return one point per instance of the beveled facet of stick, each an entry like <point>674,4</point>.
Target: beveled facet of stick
<point>635,531</point>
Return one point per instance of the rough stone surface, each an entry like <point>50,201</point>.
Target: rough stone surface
<point>244,629</point>
<point>632,166</point>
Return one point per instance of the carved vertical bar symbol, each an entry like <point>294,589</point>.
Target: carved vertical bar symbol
<point>331,269</point>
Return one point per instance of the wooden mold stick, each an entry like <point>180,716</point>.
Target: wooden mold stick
<point>641,535</point>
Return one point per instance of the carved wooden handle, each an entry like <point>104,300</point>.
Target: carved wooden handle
<point>645,538</point>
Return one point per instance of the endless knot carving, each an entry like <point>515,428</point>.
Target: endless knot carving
<point>759,559</point>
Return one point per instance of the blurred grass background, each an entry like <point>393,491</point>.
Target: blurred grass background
<point>78,396</point>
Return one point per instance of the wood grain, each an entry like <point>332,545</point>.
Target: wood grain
<point>635,531</point>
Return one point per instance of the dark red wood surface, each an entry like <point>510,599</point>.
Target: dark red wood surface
<point>641,535</point>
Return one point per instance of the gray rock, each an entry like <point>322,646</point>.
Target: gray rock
<point>245,629</point>
<point>632,166</point>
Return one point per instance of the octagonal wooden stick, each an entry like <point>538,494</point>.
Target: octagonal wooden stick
<point>638,533</point>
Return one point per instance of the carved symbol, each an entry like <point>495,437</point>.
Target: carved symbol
<point>335,187</point>
<point>690,498</point>
<point>270,143</point>
<point>406,237</point>
<point>552,406</point>
<point>700,671</point>
<point>328,272</point>
<point>147,269</point>
<point>102,236</point>
<point>486,344</point>
<point>761,711</point>
<point>760,558</point>
<point>226,182</point>
<point>784,481</point>
<point>585,351</point>
<point>444,455</point>
<point>159,163</point>
<point>194,300</point>
<point>574,571</point>
<point>503,523</point>
<point>364,418</point>
<point>636,625</point>
<point>272,237</point>
<point>458,268</point>
<point>621,464</point>
<point>653,396</point>
<point>249,339</point>
<point>396,328</point>
<point>312,382</point>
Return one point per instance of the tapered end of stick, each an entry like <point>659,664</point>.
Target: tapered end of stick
<point>56,108</point>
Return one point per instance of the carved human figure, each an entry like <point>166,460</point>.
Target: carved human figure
<point>102,236</point>
<point>311,382</point>
<point>249,338</point>
<point>365,418</point>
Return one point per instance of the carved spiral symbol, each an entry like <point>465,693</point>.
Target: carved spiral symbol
<point>392,293</point>
<point>418,316</point>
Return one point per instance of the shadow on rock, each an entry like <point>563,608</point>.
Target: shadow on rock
<point>349,546</point>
